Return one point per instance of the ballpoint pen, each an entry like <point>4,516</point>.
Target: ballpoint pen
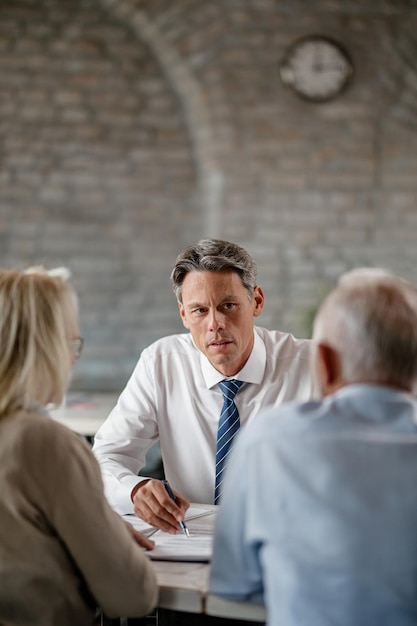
<point>173,498</point>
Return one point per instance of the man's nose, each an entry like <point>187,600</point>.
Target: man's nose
<point>216,320</point>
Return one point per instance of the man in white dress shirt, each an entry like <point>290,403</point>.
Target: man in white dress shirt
<point>173,394</point>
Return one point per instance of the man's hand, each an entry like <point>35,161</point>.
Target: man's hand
<point>152,503</point>
<point>140,539</point>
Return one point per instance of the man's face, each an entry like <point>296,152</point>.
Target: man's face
<point>217,311</point>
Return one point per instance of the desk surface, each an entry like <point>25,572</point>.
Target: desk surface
<point>218,607</point>
<point>185,586</point>
<point>182,586</point>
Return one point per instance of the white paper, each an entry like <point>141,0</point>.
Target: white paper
<point>198,546</point>
<point>148,530</point>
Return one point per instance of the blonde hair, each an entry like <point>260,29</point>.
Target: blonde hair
<point>37,311</point>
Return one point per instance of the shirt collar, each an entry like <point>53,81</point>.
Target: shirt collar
<point>373,390</point>
<point>251,372</point>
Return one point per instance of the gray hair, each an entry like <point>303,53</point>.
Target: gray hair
<point>370,318</point>
<point>214,255</point>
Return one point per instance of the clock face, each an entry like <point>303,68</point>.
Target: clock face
<point>317,68</point>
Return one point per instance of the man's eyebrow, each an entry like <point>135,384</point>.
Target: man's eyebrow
<point>227,298</point>
<point>194,304</point>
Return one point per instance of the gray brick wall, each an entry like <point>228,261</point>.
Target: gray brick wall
<point>131,128</point>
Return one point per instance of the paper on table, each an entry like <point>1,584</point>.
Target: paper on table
<point>139,524</point>
<point>197,547</point>
<point>146,529</point>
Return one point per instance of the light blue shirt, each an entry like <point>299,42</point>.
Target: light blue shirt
<point>319,512</point>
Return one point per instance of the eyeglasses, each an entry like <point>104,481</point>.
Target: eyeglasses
<point>77,346</point>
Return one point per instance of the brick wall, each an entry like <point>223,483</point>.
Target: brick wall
<point>132,128</point>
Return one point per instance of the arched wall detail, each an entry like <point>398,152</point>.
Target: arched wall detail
<point>194,109</point>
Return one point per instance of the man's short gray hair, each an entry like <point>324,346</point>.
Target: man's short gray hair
<point>370,318</point>
<point>214,255</point>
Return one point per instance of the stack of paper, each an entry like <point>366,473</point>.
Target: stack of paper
<point>197,547</point>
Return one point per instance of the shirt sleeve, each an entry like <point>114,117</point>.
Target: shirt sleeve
<point>68,486</point>
<point>236,572</point>
<point>121,443</point>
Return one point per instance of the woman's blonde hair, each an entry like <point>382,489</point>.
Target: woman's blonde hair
<point>38,312</point>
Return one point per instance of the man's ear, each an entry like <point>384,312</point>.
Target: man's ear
<point>258,299</point>
<point>183,315</point>
<point>329,370</point>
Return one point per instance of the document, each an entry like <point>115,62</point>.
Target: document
<point>146,529</point>
<point>198,546</point>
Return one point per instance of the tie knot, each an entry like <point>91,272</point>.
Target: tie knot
<point>230,387</point>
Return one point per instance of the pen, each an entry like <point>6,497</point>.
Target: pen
<point>171,495</point>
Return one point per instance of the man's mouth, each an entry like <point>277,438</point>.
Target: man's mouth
<point>220,343</point>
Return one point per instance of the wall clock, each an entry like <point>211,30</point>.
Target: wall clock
<point>317,68</point>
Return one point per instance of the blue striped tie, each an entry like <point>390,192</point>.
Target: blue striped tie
<point>228,426</point>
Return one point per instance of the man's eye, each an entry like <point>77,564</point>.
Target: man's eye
<point>199,311</point>
<point>229,305</point>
